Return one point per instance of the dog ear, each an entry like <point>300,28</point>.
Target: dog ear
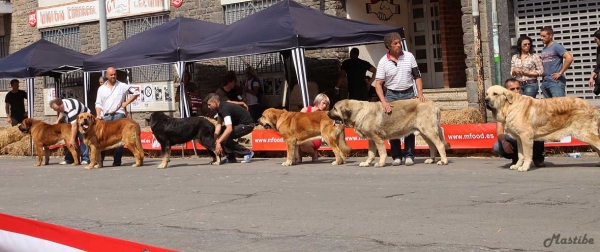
<point>510,96</point>
<point>92,119</point>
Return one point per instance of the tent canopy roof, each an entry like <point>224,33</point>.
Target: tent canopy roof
<point>42,58</point>
<point>283,26</point>
<point>158,45</point>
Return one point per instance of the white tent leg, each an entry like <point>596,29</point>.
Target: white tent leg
<point>30,101</point>
<point>298,57</point>
<point>86,81</point>
<point>183,102</point>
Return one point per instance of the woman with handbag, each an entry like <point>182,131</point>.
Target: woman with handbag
<point>595,77</point>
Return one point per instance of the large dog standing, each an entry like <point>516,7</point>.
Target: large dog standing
<point>370,121</point>
<point>528,119</point>
<point>298,127</point>
<point>102,135</point>
<point>170,131</point>
<point>45,135</point>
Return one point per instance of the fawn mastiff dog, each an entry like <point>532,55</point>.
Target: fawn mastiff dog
<point>370,121</point>
<point>528,119</point>
<point>45,135</point>
<point>102,135</point>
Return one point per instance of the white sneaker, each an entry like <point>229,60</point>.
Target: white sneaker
<point>84,162</point>
<point>409,162</point>
<point>63,163</point>
<point>397,162</point>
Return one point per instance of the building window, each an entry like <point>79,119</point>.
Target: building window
<point>4,83</point>
<point>144,74</point>
<point>68,37</point>
<point>263,63</point>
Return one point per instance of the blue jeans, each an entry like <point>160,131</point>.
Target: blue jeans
<point>538,150</point>
<point>553,89</point>
<point>530,89</point>
<point>409,141</point>
<point>85,156</point>
<point>118,152</point>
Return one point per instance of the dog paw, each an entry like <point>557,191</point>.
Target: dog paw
<point>523,168</point>
<point>379,165</point>
<point>215,163</point>
<point>364,164</point>
<point>162,166</point>
<point>287,163</point>
<point>429,161</point>
<point>442,162</point>
<point>89,167</point>
<point>135,165</point>
<point>97,166</point>
<point>36,165</point>
<point>514,167</point>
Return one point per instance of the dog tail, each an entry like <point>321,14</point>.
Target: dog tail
<point>438,120</point>
<point>341,141</point>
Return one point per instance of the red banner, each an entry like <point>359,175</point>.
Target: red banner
<point>459,136</point>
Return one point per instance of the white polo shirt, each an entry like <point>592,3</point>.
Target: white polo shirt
<point>110,100</point>
<point>397,76</point>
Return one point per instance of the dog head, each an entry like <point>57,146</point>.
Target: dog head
<point>270,117</point>
<point>156,118</point>
<point>497,97</point>
<point>85,122</point>
<point>341,112</point>
<point>25,125</point>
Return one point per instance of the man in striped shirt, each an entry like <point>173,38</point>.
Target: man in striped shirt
<point>72,108</point>
<point>399,72</point>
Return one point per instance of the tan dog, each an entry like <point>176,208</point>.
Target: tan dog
<point>45,135</point>
<point>528,119</point>
<point>102,135</point>
<point>370,121</point>
<point>298,127</point>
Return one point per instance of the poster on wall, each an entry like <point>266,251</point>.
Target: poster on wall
<point>66,92</point>
<point>3,111</point>
<point>137,103</point>
<point>154,96</point>
<point>147,94</point>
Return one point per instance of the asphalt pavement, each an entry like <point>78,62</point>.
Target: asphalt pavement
<point>472,204</point>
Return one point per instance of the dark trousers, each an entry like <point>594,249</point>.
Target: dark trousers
<point>255,111</point>
<point>409,141</point>
<point>117,152</point>
<point>538,150</point>
<point>230,146</point>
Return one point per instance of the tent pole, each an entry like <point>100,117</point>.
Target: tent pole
<point>298,56</point>
<point>86,81</point>
<point>30,96</point>
<point>183,102</point>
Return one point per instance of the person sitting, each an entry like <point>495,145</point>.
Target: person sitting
<point>321,103</point>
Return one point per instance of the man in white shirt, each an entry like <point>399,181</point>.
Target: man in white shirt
<point>112,101</point>
<point>399,72</point>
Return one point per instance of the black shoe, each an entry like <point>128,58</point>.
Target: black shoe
<point>117,164</point>
<point>539,164</point>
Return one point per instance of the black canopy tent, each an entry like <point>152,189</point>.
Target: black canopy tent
<point>285,26</point>
<point>158,45</point>
<point>42,58</point>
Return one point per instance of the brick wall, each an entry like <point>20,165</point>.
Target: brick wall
<point>453,52</point>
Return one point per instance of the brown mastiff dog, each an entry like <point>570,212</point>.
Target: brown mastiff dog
<point>45,135</point>
<point>298,127</point>
<point>528,119</point>
<point>102,135</point>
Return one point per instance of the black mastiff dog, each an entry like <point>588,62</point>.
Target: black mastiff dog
<point>171,131</point>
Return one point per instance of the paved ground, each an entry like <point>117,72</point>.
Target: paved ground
<point>470,205</point>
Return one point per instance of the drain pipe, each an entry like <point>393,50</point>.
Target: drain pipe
<point>496,46</point>
<point>478,59</point>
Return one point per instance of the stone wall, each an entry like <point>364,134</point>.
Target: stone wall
<point>453,52</point>
<point>322,64</point>
<point>469,41</point>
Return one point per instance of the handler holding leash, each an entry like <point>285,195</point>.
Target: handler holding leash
<point>111,99</point>
<point>237,122</point>
<point>398,70</point>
